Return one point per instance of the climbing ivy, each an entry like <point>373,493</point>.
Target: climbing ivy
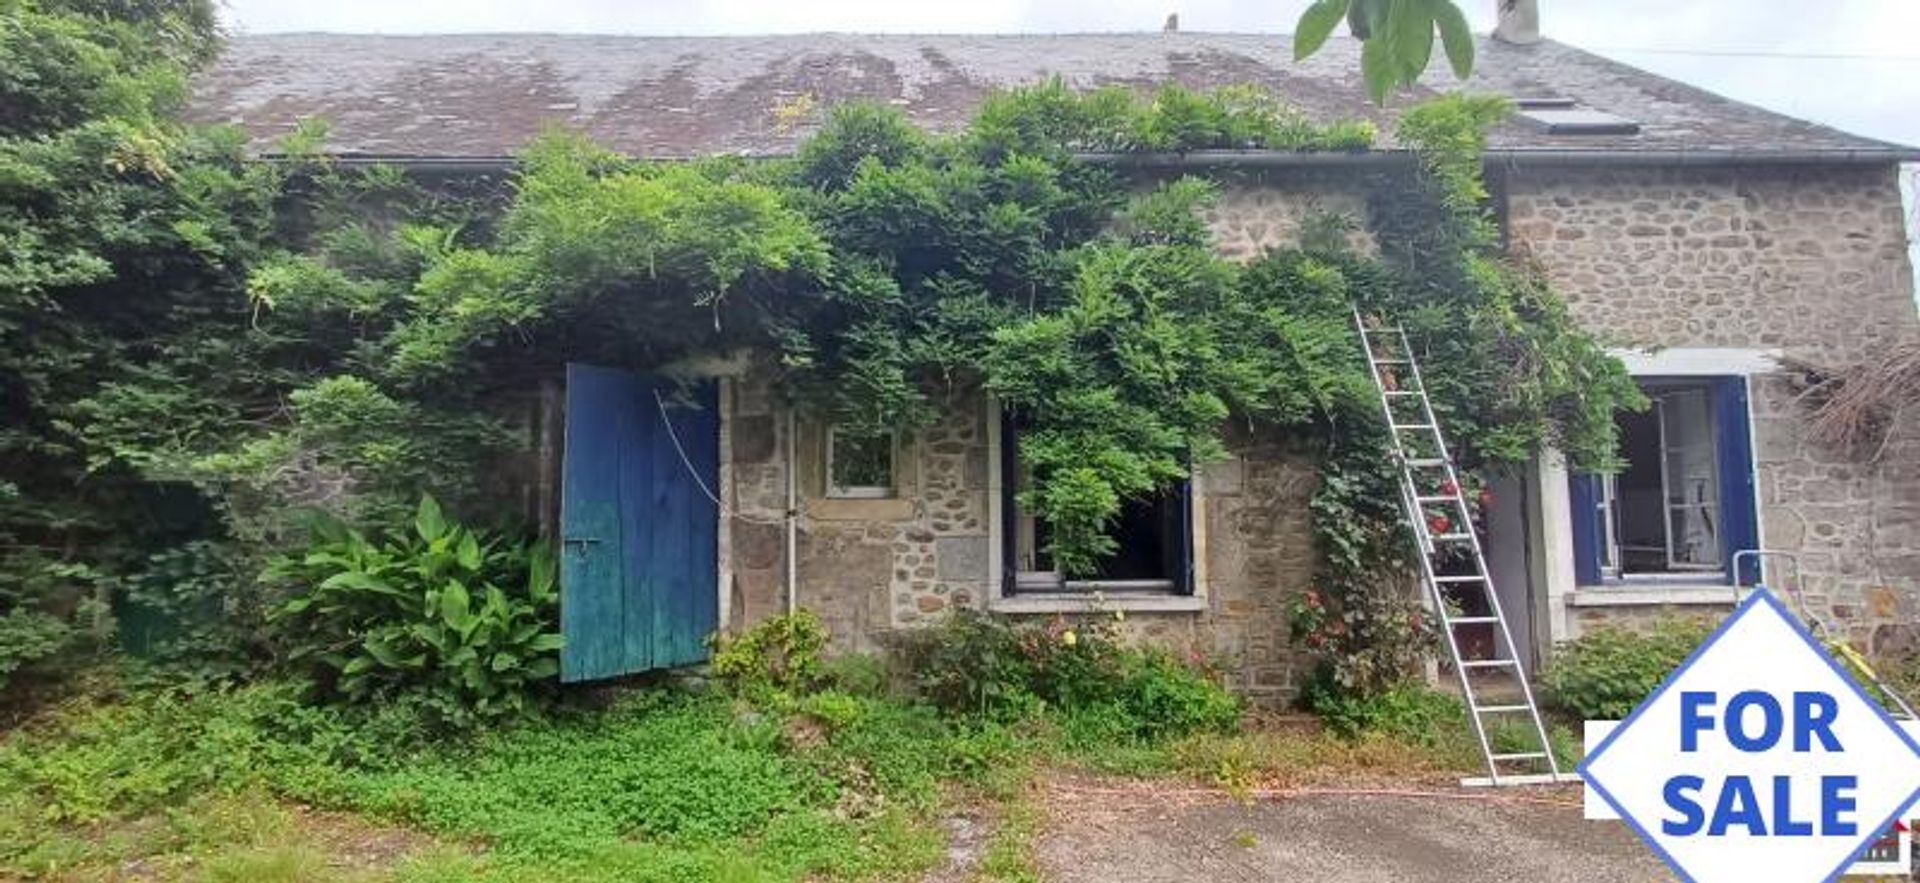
<point>123,241</point>
<point>313,335</point>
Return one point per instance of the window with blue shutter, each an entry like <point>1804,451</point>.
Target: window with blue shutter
<point>1682,508</point>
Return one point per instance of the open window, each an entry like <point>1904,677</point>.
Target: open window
<point>1154,535</point>
<point>859,465</point>
<point>1682,505</point>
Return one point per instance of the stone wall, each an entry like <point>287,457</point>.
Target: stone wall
<point>865,565</point>
<point>1809,262</point>
<point>870,566</point>
<point>1258,556</point>
<point>1640,616</point>
<point>1269,209</point>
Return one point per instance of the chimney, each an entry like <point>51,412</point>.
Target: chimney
<point>1519,22</point>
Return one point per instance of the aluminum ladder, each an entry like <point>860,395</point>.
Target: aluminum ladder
<point>1444,538</point>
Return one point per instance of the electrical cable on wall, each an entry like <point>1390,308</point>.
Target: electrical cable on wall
<point>685,461</point>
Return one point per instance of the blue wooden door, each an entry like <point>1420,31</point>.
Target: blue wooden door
<point>638,529</point>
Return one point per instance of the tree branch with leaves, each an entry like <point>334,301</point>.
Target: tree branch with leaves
<point>1396,38</point>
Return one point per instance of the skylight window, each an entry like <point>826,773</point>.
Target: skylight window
<point>1564,116</point>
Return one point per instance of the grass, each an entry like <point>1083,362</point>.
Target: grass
<point>243,836</point>
<point>663,786</point>
<point>253,784</point>
<point>1009,854</point>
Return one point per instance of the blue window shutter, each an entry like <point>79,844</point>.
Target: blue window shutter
<point>1734,438</point>
<point>1009,506</point>
<point>1182,551</point>
<point>1583,495</point>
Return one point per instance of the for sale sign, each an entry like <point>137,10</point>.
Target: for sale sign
<point>1758,759</point>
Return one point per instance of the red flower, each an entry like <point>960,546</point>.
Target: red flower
<point>1448,487</point>
<point>1439,523</point>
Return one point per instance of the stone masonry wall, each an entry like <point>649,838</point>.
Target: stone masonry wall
<point>1256,212</point>
<point>1259,556</point>
<point>1808,261</point>
<point>865,566</point>
<point>870,566</point>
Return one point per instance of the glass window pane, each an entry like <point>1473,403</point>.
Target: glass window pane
<point>862,461</point>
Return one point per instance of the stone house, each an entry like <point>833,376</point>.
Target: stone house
<point>1706,240</point>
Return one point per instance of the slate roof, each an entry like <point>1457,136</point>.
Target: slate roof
<point>484,96</point>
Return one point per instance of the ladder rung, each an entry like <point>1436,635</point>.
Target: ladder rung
<point>1486,663</point>
<point>1379,361</point>
<point>1442,498</point>
<point>1459,579</point>
<point>1524,755</point>
<point>1472,620</point>
<point>1456,537</point>
<point>1401,392</point>
<point>1389,329</point>
<point>1420,426</point>
<point>1425,462</point>
<point>1502,709</point>
<point>1521,779</point>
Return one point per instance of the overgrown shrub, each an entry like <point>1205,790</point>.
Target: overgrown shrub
<point>29,640</point>
<point>45,609</point>
<point>779,655</point>
<point>976,664</point>
<point>436,615</point>
<point>1606,672</point>
<point>862,674</point>
<point>195,614</point>
<point>1409,710</point>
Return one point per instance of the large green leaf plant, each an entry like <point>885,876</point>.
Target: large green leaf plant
<point>438,614</point>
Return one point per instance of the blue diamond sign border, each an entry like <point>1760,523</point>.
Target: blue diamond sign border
<point>1760,595</point>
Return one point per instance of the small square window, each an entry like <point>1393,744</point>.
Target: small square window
<point>859,465</point>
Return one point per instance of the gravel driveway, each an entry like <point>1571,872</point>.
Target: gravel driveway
<point>1099,833</point>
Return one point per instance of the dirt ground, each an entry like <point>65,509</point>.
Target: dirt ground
<point>1115,832</point>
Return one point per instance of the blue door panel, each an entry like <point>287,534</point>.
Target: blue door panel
<point>638,528</point>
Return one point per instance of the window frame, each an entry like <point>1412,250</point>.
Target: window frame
<point>836,491</point>
<point>1017,583</point>
<point>1737,506</point>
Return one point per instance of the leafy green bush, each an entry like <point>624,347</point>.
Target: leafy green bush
<point>861,674</point>
<point>45,605</point>
<point>1409,711</point>
<point>976,664</point>
<point>195,614</point>
<point>778,655</point>
<point>437,615</point>
<point>29,639</point>
<point>1606,672</point>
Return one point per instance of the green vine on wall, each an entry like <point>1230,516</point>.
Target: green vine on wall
<point>381,320</point>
